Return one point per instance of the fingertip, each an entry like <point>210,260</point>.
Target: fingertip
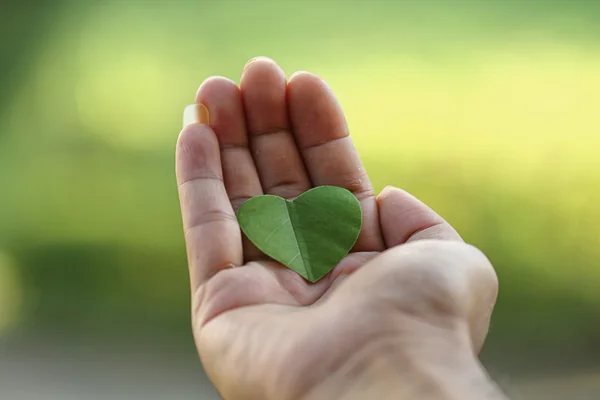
<point>315,113</point>
<point>213,86</point>
<point>258,60</point>
<point>196,134</point>
<point>301,75</point>
<point>303,84</point>
<point>386,192</point>
<point>197,150</point>
<point>261,72</point>
<point>403,218</point>
<point>296,73</point>
<point>395,197</point>
<point>223,100</point>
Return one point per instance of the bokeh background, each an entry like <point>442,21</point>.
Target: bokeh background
<point>487,110</point>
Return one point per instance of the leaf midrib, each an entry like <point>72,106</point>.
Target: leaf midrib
<point>291,210</point>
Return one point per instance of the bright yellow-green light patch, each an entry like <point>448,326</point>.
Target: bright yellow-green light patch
<point>129,88</point>
<point>127,100</point>
<point>511,117</point>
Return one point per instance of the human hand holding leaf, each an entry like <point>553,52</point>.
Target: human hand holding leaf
<point>262,330</point>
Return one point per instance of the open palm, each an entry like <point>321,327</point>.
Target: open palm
<point>257,323</point>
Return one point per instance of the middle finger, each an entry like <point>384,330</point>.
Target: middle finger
<point>274,150</point>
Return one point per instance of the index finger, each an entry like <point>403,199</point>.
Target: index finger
<point>212,234</point>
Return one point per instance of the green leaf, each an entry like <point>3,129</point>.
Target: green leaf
<point>309,234</point>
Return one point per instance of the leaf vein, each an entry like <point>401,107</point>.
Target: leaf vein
<point>293,259</point>
<point>275,230</point>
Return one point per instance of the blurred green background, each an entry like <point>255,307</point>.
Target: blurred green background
<point>487,110</point>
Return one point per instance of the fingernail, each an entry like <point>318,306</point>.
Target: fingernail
<point>195,113</point>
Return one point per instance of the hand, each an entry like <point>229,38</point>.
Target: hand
<point>415,303</point>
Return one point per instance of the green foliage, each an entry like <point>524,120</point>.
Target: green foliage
<point>309,234</point>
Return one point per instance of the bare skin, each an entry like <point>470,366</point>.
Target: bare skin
<point>403,316</point>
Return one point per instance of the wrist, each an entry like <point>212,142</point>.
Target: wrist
<point>440,367</point>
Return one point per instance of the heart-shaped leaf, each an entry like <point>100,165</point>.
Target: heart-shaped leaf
<point>309,234</point>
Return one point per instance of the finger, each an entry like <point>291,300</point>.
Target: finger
<point>405,218</point>
<point>212,234</point>
<point>276,155</point>
<point>330,157</point>
<point>223,99</point>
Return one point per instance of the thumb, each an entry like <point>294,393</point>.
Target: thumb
<point>435,281</point>
<point>404,218</point>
